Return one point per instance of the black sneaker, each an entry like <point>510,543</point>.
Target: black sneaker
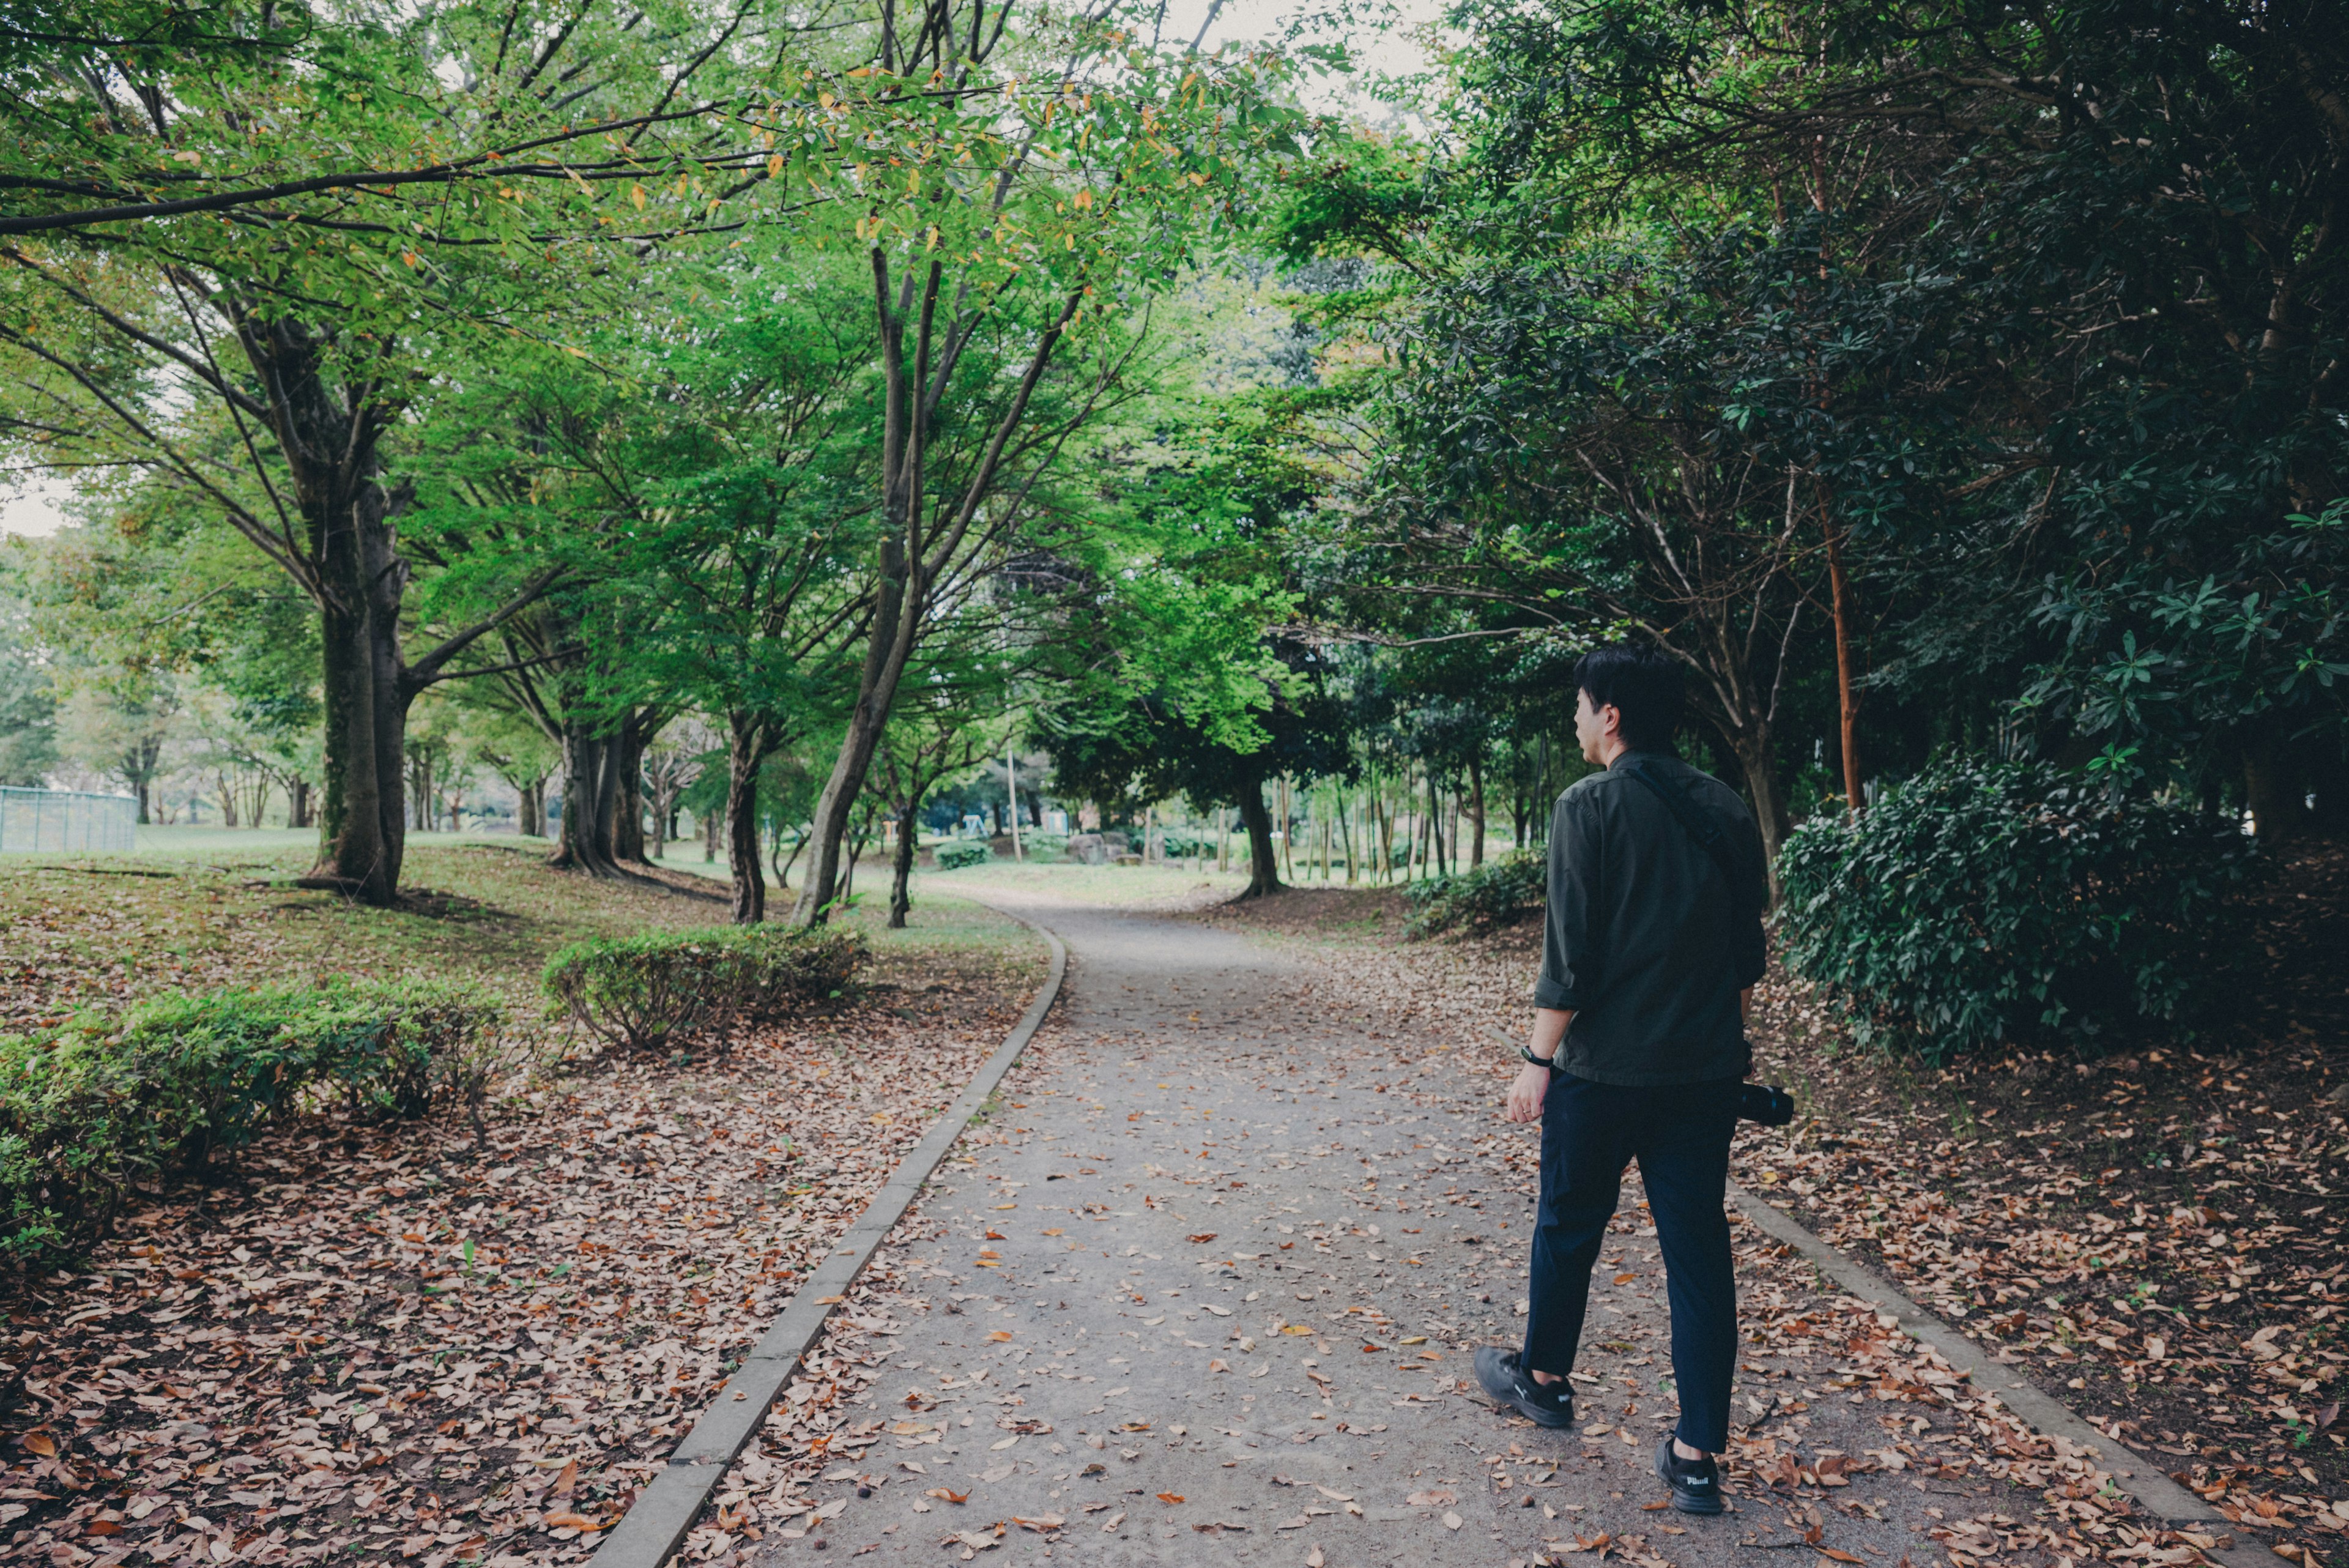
<point>1506,1380</point>
<point>1695,1483</point>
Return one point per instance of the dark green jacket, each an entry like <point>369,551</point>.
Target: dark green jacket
<point>1646,940</point>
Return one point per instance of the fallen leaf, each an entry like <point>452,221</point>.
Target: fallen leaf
<point>41,1444</point>
<point>1625,1279</point>
<point>579,1522</point>
<point>1202,1237</point>
<point>1000,1334</point>
<point>1169,1498</point>
<point>944,1496</point>
<point>1432,1498</point>
<point>1453,1520</point>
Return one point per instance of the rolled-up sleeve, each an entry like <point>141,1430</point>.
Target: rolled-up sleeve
<point>1571,968</point>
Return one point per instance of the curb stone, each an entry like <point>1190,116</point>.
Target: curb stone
<point>2159,1496</point>
<point>665,1510</point>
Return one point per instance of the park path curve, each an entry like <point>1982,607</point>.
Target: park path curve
<point>1208,1294</point>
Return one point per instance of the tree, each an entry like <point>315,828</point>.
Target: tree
<point>1007,255</point>
<point>247,316</point>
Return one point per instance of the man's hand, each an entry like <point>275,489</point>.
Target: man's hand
<point>1532,1084</point>
<point>1525,1093</point>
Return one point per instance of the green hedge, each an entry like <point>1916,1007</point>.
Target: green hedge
<point>955,857</point>
<point>1495,894</point>
<point>645,991</point>
<point>1989,902</point>
<point>97,1108</point>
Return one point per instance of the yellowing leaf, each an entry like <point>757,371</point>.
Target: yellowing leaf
<point>1000,1334</point>
<point>570,1522</point>
<point>1169,1498</point>
<point>41,1444</point>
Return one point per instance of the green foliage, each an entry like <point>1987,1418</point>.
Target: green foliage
<point>97,1108</point>
<point>1498,893</point>
<point>955,857</point>
<point>1982,903</point>
<point>642,992</point>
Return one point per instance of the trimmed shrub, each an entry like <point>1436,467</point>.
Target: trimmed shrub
<point>779,972</point>
<point>955,857</point>
<point>1498,893</point>
<point>97,1108</point>
<point>644,991</point>
<point>1986,902</point>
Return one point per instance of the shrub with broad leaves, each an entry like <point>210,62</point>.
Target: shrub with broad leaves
<point>642,992</point>
<point>955,857</point>
<point>97,1108</point>
<point>1498,893</point>
<point>1982,903</point>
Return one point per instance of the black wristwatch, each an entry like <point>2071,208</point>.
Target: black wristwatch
<point>1549,1061</point>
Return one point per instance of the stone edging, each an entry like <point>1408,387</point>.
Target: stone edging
<point>2158,1495</point>
<point>665,1509</point>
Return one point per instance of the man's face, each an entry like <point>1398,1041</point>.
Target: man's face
<point>1591,726</point>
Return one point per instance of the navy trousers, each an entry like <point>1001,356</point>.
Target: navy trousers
<point>1680,1136</point>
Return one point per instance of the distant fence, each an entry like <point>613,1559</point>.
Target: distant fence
<point>67,822</point>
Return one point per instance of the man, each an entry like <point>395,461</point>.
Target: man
<point>1639,1051</point>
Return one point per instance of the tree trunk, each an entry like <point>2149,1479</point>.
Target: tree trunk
<point>1476,810</point>
<point>885,653</point>
<point>746,752</point>
<point>1758,758</point>
<point>712,824</point>
<point>1847,713</point>
<point>1264,871</point>
<point>297,803</point>
<point>909,824</point>
<point>589,790</point>
<point>529,809</point>
<point>2271,788</point>
<point>330,443</point>
<point>628,743</point>
<point>362,829</point>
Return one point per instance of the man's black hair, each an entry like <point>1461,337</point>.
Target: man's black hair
<point>1641,684</point>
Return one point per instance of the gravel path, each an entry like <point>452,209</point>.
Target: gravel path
<point>1208,1293</point>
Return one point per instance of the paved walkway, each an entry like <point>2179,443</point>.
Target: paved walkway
<point>1213,1299</point>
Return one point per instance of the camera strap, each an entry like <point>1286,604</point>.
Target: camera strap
<point>1696,823</point>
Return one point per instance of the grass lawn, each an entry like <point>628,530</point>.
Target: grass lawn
<point>202,908</point>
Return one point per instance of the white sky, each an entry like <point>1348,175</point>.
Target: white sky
<point>36,507</point>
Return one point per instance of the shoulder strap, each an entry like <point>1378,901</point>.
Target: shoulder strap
<point>1695,821</point>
